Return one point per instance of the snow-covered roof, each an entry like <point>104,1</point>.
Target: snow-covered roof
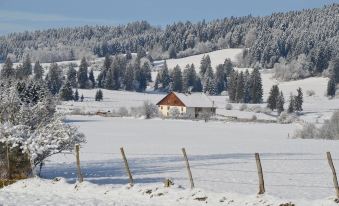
<point>195,99</point>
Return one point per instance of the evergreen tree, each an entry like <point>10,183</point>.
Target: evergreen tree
<point>82,98</point>
<point>273,97</point>
<point>209,83</point>
<point>54,78</point>
<point>71,75</point>
<point>110,80</point>
<point>165,77</point>
<point>66,92</point>
<point>145,75</point>
<point>189,78</point>
<point>99,95</point>
<point>76,95</point>
<point>7,70</point>
<point>128,78</point>
<point>298,102</point>
<point>91,78</point>
<point>232,86</point>
<point>83,74</point>
<point>331,87</point>
<point>205,63</point>
<point>107,62</point>
<point>291,104</point>
<point>247,87</point>
<point>280,103</point>
<point>221,78</point>
<point>172,52</point>
<point>228,66</point>
<point>240,88</point>
<point>157,82</point>
<point>256,86</point>
<point>26,67</point>
<point>177,79</point>
<point>38,71</point>
<point>128,55</point>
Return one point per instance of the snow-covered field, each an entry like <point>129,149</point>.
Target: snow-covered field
<point>221,157</point>
<point>221,154</point>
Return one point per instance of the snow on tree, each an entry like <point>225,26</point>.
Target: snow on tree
<point>291,104</point>
<point>76,95</point>
<point>273,97</point>
<point>205,63</point>
<point>128,77</point>
<point>26,67</point>
<point>54,78</point>
<point>83,74</point>
<point>221,78</point>
<point>38,71</point>
<point>239,97</point>
<point>149,110</point>
<point>176,79</point>
<point>280,103</point>
<point>91,78</point>
<point>34,127</point>
<point>99,95</point>
<point>256,86</point>
<point>7,70</point>
<point>71,75</point>
<point>66,92</point>
<point>331,86</point>
<point>298,100</point>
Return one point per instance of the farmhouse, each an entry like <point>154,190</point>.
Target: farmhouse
<point>190,105</point>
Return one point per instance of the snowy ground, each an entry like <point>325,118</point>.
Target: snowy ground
<point>221,157</point>
<point>221,154</point>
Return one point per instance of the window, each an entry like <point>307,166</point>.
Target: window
<point>182,109</point>
<point>168,107</point>
<point>161,107</point>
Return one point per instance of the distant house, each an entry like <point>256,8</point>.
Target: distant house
<point>190,105</point>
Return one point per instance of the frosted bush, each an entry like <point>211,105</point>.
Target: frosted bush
<point>243,107</point>
<point>123,112</point>
<point>308,131</point>
<point>329,130</point>
<point>254,118</point>
<point>286,118</point>
<point>296,69</point>
<point>229,106</point>
<point>174,113</point>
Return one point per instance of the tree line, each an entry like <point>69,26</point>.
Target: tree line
<point>280,38</point>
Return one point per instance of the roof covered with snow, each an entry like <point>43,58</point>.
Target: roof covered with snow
<point>195,99</point>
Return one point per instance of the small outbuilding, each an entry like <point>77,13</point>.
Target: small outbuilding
<point>192,105</point>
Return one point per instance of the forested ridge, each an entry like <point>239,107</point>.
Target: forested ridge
<point>312,33</point>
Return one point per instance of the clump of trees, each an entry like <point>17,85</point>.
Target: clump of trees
<point>245,87</point>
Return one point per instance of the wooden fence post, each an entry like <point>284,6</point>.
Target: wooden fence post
<point>127,167</point>
<point>188,168</point>
<point>77,151</point>
<point>260,174</point>
<point>335,180</point>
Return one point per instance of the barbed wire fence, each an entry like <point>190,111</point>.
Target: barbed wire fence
<point>256,159</point>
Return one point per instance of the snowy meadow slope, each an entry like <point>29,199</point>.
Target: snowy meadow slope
<point>221,153</point>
